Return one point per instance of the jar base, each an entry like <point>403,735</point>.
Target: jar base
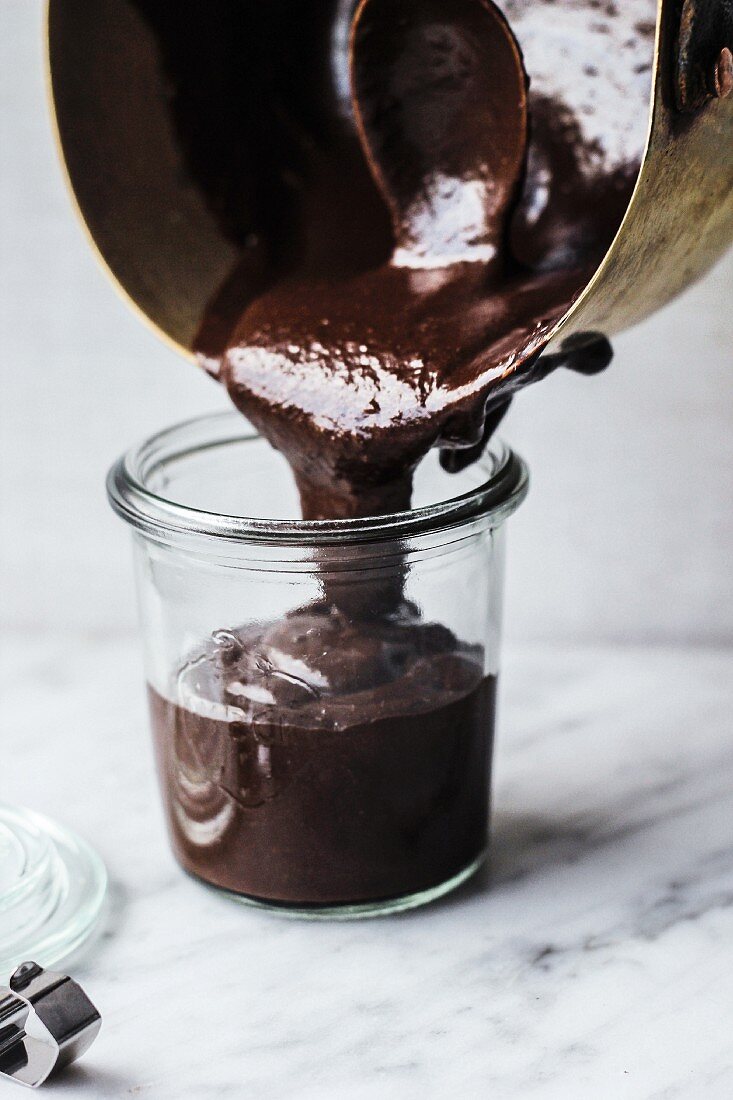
<point>352,911</point>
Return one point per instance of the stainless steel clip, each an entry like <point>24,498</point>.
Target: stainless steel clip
<point>46,1022</point>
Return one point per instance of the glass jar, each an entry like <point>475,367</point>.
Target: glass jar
<point>321,693</point>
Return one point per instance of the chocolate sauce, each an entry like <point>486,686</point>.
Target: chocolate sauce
<point>412,220</point>
<point>314,762</point>
<point>360,156</point>
<point>354,381</point>
<point>354,377</point>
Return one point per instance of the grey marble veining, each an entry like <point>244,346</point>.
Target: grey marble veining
<point>593,959</point>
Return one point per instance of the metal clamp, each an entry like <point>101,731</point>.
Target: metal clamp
<point>46,1022</point>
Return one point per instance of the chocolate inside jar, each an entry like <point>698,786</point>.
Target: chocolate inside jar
<point>413,218</point>
<point>316,762</point>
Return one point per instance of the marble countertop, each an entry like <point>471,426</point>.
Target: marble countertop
<point>594,959</point>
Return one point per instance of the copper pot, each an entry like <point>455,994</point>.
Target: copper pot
<point>169,236</point>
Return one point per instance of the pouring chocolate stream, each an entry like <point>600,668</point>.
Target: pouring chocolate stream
<point>354,378</point>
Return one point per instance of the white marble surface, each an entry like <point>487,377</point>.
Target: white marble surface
<point>594,961</point>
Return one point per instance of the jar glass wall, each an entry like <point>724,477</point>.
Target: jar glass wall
<point>321,693</point>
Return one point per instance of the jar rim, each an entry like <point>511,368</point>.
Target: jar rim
<point>149,512</point>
